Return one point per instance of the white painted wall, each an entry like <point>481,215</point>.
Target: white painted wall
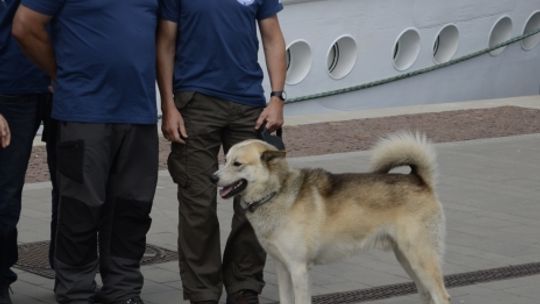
<point>376,25</point>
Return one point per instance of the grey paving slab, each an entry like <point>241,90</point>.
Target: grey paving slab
<point>490,190</point>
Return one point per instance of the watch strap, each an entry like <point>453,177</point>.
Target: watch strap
<point>279,94</point>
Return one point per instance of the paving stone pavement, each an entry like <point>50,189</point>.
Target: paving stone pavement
<point>490,190</point>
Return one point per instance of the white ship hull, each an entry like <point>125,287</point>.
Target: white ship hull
<point>367,31</point>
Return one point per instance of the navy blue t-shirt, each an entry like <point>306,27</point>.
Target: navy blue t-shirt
<point>217,49</point>
<point>17,74</point>
<point>105,55</point>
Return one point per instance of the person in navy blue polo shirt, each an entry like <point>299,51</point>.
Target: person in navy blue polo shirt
<point>211,89</point>
<point>24,103</point>
<point>101,58</point>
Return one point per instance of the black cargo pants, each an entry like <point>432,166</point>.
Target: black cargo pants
<point>107,176</point>
<point>210,123</point>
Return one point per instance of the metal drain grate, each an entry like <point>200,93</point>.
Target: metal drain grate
<point>33,257</point>
<point>453,280</point>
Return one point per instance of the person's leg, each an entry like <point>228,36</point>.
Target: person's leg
<point>191,165</point>
<point>130,192</point>
<point>21,113</point>
<point>84,162</point>
<point>50,130</point>
<point>244,258</point>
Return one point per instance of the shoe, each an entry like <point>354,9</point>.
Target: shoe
<point>4,295</point>
<point>243,297</point>
<point>133,300</point>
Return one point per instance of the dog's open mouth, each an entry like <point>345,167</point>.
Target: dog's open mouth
<point>233,189</point>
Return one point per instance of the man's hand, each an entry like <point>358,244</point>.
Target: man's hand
<point>272,115</point>
<point>172,125</point>
<point>5,135</point>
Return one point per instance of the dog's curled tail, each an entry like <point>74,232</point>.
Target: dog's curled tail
<point>406,149</point>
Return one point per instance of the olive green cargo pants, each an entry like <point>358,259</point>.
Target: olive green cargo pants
<point>210,123</point>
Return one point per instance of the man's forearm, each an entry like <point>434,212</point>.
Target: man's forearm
<point>39,49</point>
<point>274,49</point>
<point>35,42</point>
<point>165,49</point>
<point>277,68</point>
<point>165,72</point>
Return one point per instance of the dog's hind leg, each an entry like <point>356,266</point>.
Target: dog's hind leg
<point>300,282</point>
<point>286,295</point>
<point>423,260</point>
<point>422,292</point>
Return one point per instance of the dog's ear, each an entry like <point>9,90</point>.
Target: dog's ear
<point>269,155</point>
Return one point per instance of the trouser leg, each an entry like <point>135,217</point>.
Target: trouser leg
<point>50,130</point>
<point>104,186</point>
<point>191,165</point>
<point>21,113</point>
<point>84,161</point>
<point>130,194</point>
<point>244,258</point>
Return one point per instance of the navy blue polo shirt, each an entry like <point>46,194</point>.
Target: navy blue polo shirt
<point>217,49</point>
<point>105,55</point>
<point>17,74</point>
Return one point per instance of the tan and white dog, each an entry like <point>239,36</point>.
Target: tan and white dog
<point>310,216</point>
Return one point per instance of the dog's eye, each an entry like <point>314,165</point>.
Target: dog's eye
<point>237,164</point>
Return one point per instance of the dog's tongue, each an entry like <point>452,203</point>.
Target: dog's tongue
<point>225,190</point>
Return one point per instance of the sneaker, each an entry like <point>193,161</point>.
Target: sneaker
<point>133,300</point>
<point>4,295</point>
<point>243,297</point>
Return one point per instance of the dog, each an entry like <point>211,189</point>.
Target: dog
<point>304,217</point>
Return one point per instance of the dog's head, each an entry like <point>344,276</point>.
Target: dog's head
<point>253,168</point>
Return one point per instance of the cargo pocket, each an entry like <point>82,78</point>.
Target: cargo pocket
<point>177,160</point>
<point>177,164</point>
<point>71,158</point>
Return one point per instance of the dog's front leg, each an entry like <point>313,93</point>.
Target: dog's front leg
<point>286,295</point>
<point>300,282</point>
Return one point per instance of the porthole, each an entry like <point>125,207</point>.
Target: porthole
<point>533,24</point>
<point>501,32</point>
<point>446,44</point>
<point>342,57</point>
<point>298,61</point>
<point>406,49</point>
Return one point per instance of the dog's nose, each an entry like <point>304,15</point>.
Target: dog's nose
<point>214,178</point>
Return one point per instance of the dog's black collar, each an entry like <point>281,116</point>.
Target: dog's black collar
<point>251,207</point>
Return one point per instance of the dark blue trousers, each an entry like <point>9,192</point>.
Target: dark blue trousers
<point>24,114</point>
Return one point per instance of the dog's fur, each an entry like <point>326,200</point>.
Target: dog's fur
<point>316,216</point>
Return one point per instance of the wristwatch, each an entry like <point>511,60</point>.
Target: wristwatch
<point>279,94</point>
